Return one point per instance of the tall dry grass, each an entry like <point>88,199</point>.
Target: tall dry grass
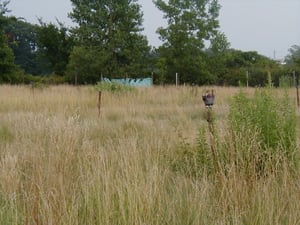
<point>62,164</point>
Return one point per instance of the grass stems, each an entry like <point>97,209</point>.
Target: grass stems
<point>141,162</point>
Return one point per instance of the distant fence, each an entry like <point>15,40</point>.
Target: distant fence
<point>137,82</point>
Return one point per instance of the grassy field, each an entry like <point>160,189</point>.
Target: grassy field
<point>62,164</point>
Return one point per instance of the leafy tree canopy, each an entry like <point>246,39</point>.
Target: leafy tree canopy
<point>241,64</point>
<point>22,39</point>
<point>55,44</point>
<point>7,66</point>
<point>113,30</point>
<point>190,24</point>
<point>293,58</point>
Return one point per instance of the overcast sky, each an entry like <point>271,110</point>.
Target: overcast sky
<point>269,27</point>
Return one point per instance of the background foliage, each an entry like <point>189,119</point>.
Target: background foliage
<point>107,40</point>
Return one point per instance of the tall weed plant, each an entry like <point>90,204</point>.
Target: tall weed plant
<point>204,158</point>
<point>260,139</point>
<point>266,125</point>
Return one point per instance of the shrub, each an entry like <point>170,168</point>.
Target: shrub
<point>266,125</point>
<point>113,87</point>
<point>273,116</point>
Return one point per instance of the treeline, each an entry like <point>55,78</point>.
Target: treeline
<point>107,41</point>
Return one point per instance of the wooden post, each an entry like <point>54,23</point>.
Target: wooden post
<point>298,101</point>
<point>296,83</point>
<point>297,90</point>
<point>75,81</point>
<point>32,87</point>
<point>99,103</point>
<point>214,152</point>
<point>247,77</point>
<point>152,78</point>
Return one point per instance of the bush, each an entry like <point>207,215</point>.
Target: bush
<point>113,87</point>
<point>272,116</point>
<point>262,130</point>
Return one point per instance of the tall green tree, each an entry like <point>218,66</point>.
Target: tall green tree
<point>55,44</point>
<point>217,53</point>
<point>293,58</point>
<point>7,66</point>
<point>83,66</point>
<point>191,23</point>
<point>292,66</point>
<point>219,44</point>
<point>112,31</point>
<point>247,67</point>
<point>22,39</point>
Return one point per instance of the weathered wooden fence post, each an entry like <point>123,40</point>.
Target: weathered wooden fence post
<point>298,101</point>
<point>208,99</point>
<point>99,103</point>
<point>296,84</point>
<point>32,87</point>
<point>297,89</point>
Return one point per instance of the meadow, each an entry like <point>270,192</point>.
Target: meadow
<point>137,163</point>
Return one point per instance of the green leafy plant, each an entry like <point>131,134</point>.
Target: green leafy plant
<point>266,121</point>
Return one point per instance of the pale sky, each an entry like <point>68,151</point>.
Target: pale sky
<point>269,27</point>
